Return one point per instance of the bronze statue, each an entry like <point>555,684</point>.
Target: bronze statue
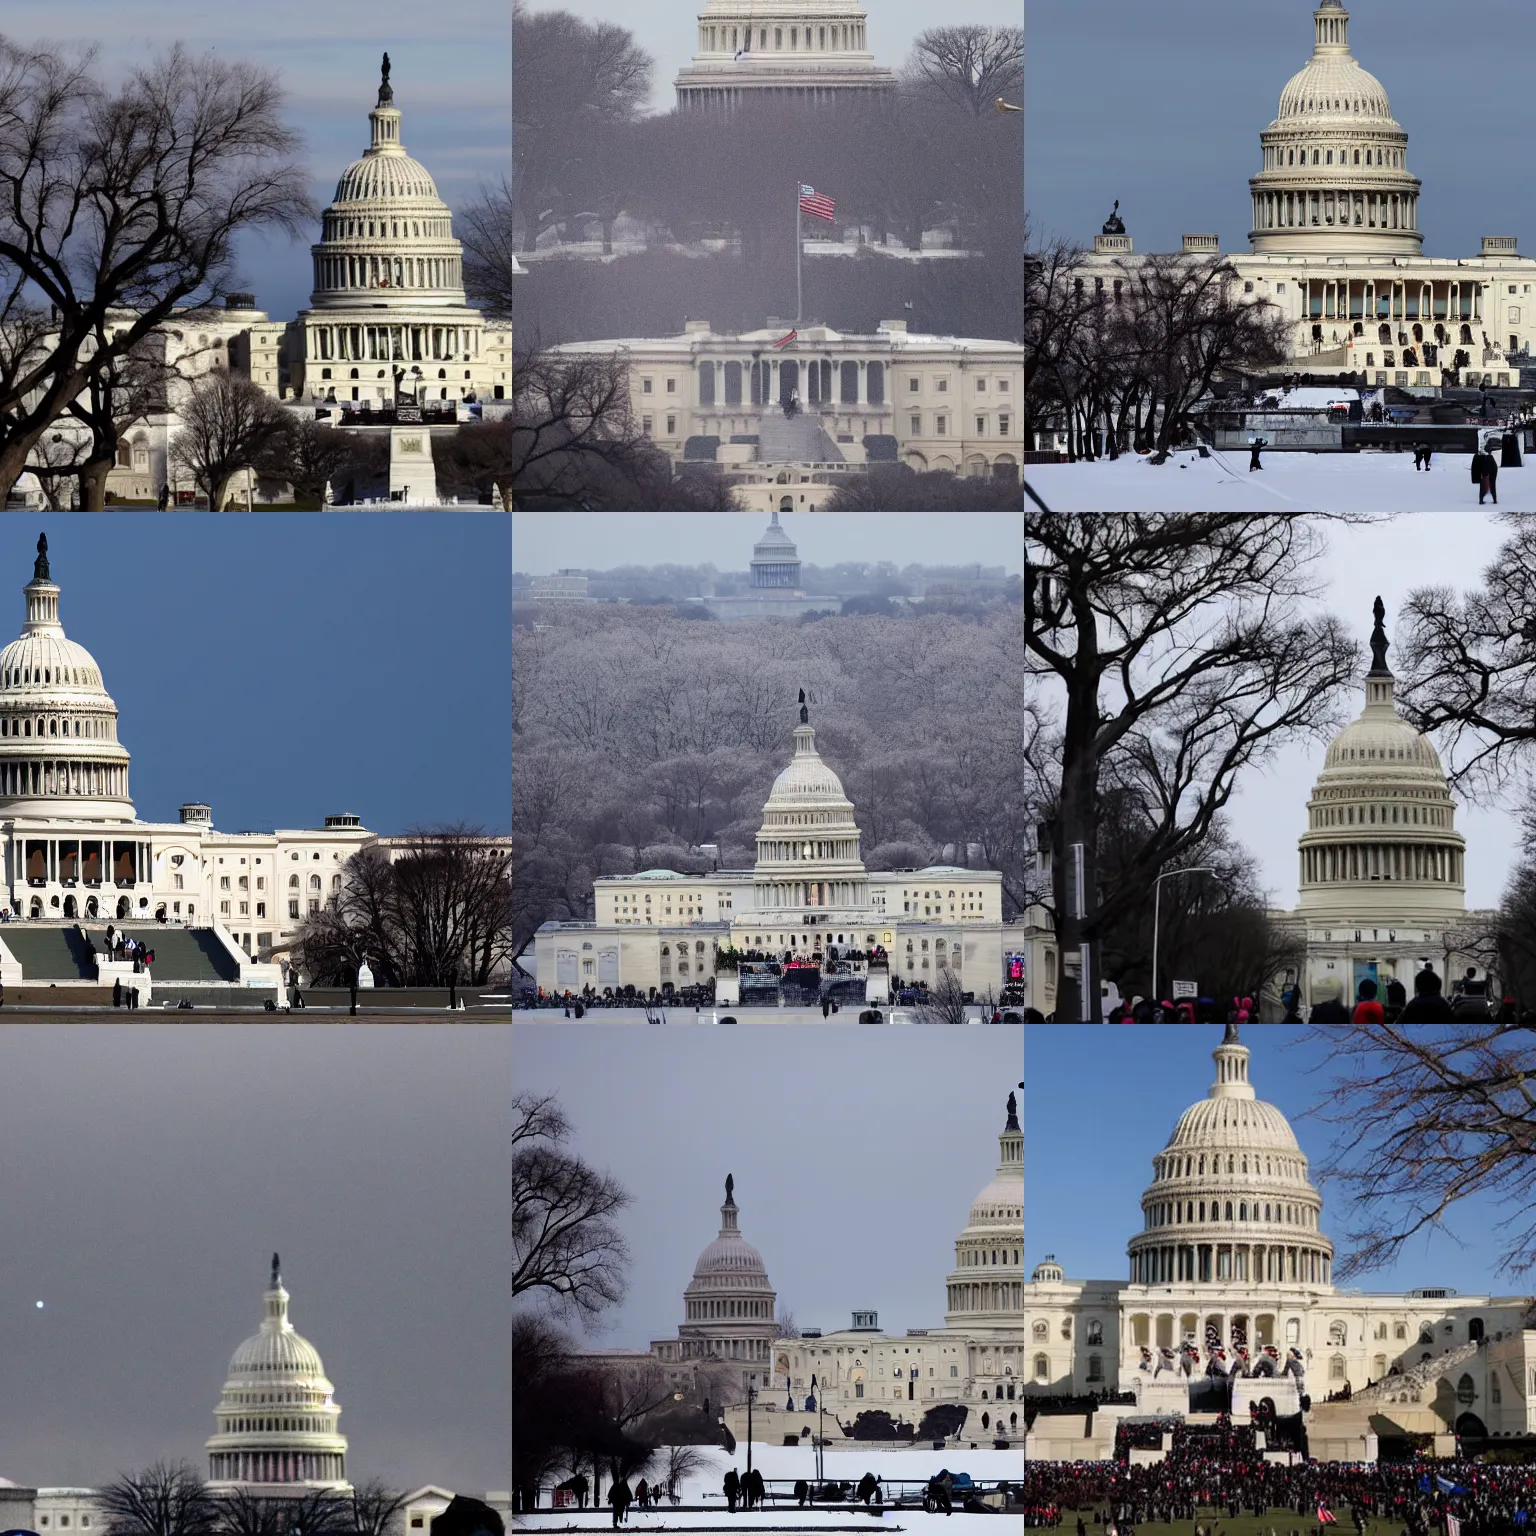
<point>730,1184</point>
<point>1379,642</point>
<point>40,565</point>
<point>805,717</point>
<point>275,1280</point>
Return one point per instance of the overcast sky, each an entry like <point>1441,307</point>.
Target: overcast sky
<point>547,541</point>
<point>285,666</point>
<point>451,76</point>
<point>1269,811</point>
<point>856,1154</point>
<point>668,30</point>
<point>1162,105</point>
<point>1084,1207</point>
<point>149,1171</point>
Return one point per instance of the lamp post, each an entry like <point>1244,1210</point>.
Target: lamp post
<point>1157,896</point>
<point>751,1393</point>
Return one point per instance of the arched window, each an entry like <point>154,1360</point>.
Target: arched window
<point>1337,1368</point>
<point>1043,1369</point>
<point>1095,1332</point>
<point>707,384</point>
<point>1475,1329</point>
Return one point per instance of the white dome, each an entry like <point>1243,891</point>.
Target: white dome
<point>807,780</point>
<point>1335,87</point>
<point>277,1417</point>
<point>386,177</point>
<point>1231,1179</point>
<point>985,1289</point>
<point>47,662</point>
<point>732,1255</point>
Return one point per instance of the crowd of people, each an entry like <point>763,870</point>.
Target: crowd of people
<point>1223,1469</point>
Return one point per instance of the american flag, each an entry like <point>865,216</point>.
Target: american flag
<point>1325,1516</point>
<point>812,202</point>
<point>784,341</point>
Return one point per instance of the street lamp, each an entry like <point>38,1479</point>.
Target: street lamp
<point>1157,896</point>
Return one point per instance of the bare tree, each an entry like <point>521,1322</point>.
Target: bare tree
<point>485,229</point>
<point>476,461</point>
<point>57,456</point>
<point>569,78</point>
<point>376,1509</point>
<point>243,1513</point>
<point>167,1499</point>
<point>1469,663</point>
<point>969,66</point>
<point>129,387</point>
<point>306,454</point>
<point>944,1002</point>
<point>438,913</point>
<point>227,423</point>
<point>566,1246</point>
<point>787,1326</point>
<point>1183,654</point>
<point>120,206</point>
<point>1431,1116</point>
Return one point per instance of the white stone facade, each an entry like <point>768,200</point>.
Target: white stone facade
<point>1232,1248</point>
<point>791,50</point>
<point>950,402</point>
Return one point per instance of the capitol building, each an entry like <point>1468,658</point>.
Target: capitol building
<point>1335,243</point>
<point>729,1338</point>
<point>220,908</point>
<point>1233,1255</point>
<point>820,923</point>
<point>1381,864</point>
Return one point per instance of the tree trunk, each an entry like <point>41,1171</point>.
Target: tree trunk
<point>93,483</point>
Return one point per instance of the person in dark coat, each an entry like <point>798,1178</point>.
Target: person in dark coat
<point>1485,475</point>
<point>802,1491</point>
<point>1429,1005</point>
<point>1397,998</point>
<point>1329,1010</point>
<point>865,1490</point>
<point>731,1488</point>
<point>642,1494</point>
<point>938,1492</point>
<point>1253,455</point>
<point>579,1487</point>
<point>755,1489</point>
<point>619,1496</point>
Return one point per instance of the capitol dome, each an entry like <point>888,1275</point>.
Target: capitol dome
<point>277,1416</point>
<point>1335,177</point>
<point>387,237</point>
<point>1231,1199</point>
<point>1381,849</point>
<point>59,752</point>
<point>729,1303</point>
<point>808,844</point>
<point>986,1287</point>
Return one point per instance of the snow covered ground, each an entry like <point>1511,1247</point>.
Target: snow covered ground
<point>776,1462</point>
<point>1288,482</point>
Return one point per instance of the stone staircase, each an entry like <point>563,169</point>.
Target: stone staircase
<point>1410,1386</point>
<point>794,440</point>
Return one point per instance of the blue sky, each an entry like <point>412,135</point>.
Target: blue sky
<point>1100,1102</point>
<point>1162,105</point>
<point>451,71</point>
<point>282,667</point>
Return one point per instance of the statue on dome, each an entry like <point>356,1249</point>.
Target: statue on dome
<point>805,716</point>
<point>1114,224</point>
<point>386,91</point>
<point>40,565</point>
<point>730,1185</point>
<point>1379,641</point>
<point>275,1278</point>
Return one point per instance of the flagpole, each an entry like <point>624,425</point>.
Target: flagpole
<point>797,256</point>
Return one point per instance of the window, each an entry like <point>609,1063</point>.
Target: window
<point>314,906</point>
<point>293,880</point>
<point>941,426</point>
<point>645,425</point>
<point>981,386</point>
<point>224,908</point>
<point>1337,1368</point>
<point>645,387</point>
<point>913,385</point>
<point>261,909</point>
<point>223,882</point>
<point>917,423</point>
<point>1002,425</point>
<point>314,882</point>
<point>981,426</point>
<point>671,386</point>
<point>671,426</point>
<point>941,385</point>
<point>293,909</point>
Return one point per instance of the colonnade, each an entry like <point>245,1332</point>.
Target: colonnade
<point>392,343</point>
<point>334,274</point>
<point>986,1296</point>
<point>277,1466</point>
<point>1372,299</point>
<point>818,381</point>
<point>63,778</point>
<point>1203,1263</point>
<point>1361,210</point>
<point>1326,863</point>
<point>840,37</point>
<point>772,895</point>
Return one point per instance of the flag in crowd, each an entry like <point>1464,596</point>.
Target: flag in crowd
<point>813,202</point>
<point>1452,1526</point>
<point>784,341</point>
<point>1326,1516</point>
<point>1445,1485</point>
